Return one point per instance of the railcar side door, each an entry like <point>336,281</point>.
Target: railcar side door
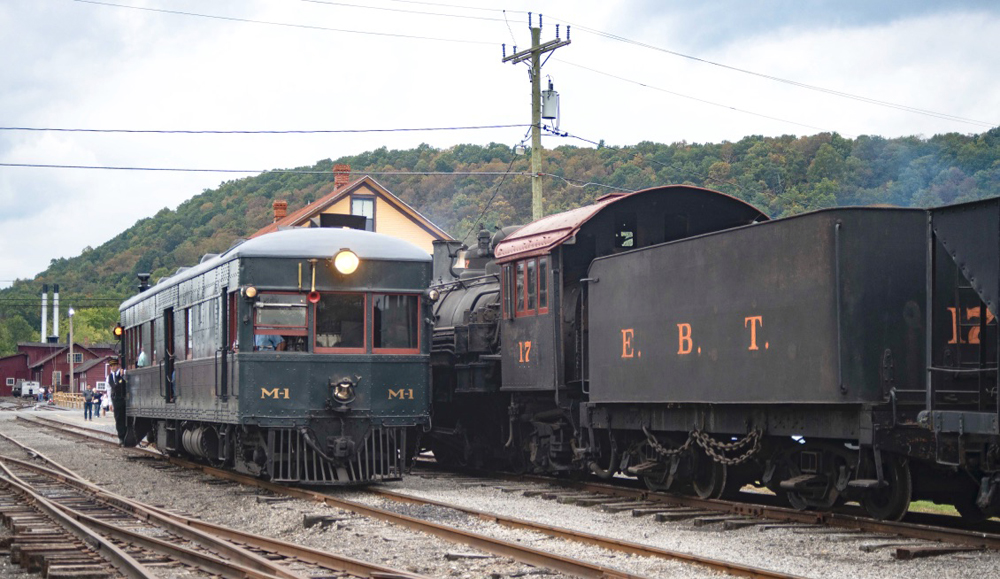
<point>528,327</point>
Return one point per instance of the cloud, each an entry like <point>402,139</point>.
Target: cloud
<point>85,65</point>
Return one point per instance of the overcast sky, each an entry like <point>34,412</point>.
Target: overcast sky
<point>627,77</point>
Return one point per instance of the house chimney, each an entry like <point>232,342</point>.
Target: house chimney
<point>341,176</point>
<point>280,210</point>
<point>45,312</point>
<point>55,311</point>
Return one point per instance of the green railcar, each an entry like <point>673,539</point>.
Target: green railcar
<point>299,356</point>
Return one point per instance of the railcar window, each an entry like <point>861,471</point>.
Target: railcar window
<point>519,283</point>
<point>543,285</point>
<point>180,338</point>
<point>625,230</point>
<point>340,321</point>
<point>395,321</point>
<point>280,311</point>
<point>280,322</point>
<point>145,343</point>
<point>532,285</point>
<point>189,351</point>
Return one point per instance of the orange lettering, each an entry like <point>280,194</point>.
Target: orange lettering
<point>754,321</point>
<point>525,351</point>
<point>627,342</point>
<point>684,344</point>
<point>954,326</point>
<point>973,314</point>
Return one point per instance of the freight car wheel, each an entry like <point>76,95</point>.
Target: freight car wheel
<point>709,480</point>
<point>891,502</point>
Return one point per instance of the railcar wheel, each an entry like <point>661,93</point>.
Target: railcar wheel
<point>656,482</point>
<point>892,502</point>
<point>709,481</point>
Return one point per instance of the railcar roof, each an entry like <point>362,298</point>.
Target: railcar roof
<point>301,243</point>
<point>540,237</point>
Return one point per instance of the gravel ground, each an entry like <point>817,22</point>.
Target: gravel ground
<point>798,552</point>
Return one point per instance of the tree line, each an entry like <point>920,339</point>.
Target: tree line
<point>453,187</point>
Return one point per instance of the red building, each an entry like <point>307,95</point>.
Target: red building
<point>12,369</point>
<point>48,364</point>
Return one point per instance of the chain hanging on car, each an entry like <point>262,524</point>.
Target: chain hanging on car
<point>713,448</point>
<point>662,450</point>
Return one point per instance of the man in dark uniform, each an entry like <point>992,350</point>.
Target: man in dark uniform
<point>119,386</point>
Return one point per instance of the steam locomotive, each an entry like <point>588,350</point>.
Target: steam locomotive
<point>300,356</point>
<point>679,336</point>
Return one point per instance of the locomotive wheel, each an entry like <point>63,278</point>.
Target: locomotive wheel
<point>892,502</point>
<point>656,482</point>
<point>709,481</point>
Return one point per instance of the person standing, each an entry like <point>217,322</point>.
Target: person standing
<point>88,404</point>
<point>118,384</point>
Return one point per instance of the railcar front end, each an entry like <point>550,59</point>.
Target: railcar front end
<point>301,356</point>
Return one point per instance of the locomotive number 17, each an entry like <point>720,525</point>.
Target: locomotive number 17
<point>524,349</point>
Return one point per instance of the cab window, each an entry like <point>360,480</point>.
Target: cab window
<point>395,323</point>
<point>280,322</point>
<point>340,323</point>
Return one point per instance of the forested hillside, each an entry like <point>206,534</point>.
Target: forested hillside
<point>782,175</point>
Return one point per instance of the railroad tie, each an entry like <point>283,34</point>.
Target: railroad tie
<point>681,516</point>
<point>711,520</point>
<point>907,553</point>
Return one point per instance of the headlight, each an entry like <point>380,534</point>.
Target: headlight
<point>250,292</point>
<point>433,295</point>
<point>346,261</point>
<point>343,391</point>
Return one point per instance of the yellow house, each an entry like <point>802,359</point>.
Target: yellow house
<point>363,204</point>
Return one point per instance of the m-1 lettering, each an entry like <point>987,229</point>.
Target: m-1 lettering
<point>401,394</point>
<point>275,393</point>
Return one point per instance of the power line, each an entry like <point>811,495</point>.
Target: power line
<point>261,132</point>
<point>490,202</point>
<point>701,100</point>
<point>290,171</point>
<point>284,24</point>
<point>842,94</point>
<point>400,10</point>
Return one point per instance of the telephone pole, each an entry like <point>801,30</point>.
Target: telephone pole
<point>534,53</point>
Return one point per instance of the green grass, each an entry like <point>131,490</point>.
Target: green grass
<point>929,507</point>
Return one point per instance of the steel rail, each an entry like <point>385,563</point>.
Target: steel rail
<point>981,539</point>
<point>499,547</point>
<point>201,532</point>
<point>242,563</point>
<point>597,540</point>
<point>121,560</point>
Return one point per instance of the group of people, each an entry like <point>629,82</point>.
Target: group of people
<point>94,402</point>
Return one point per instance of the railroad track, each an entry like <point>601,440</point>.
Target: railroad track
<point>67,527</point>
<point>499,547</point>
<point>907,540</point>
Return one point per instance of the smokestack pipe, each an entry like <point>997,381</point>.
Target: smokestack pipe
<point>55,312</point>
<point>45,312</point>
